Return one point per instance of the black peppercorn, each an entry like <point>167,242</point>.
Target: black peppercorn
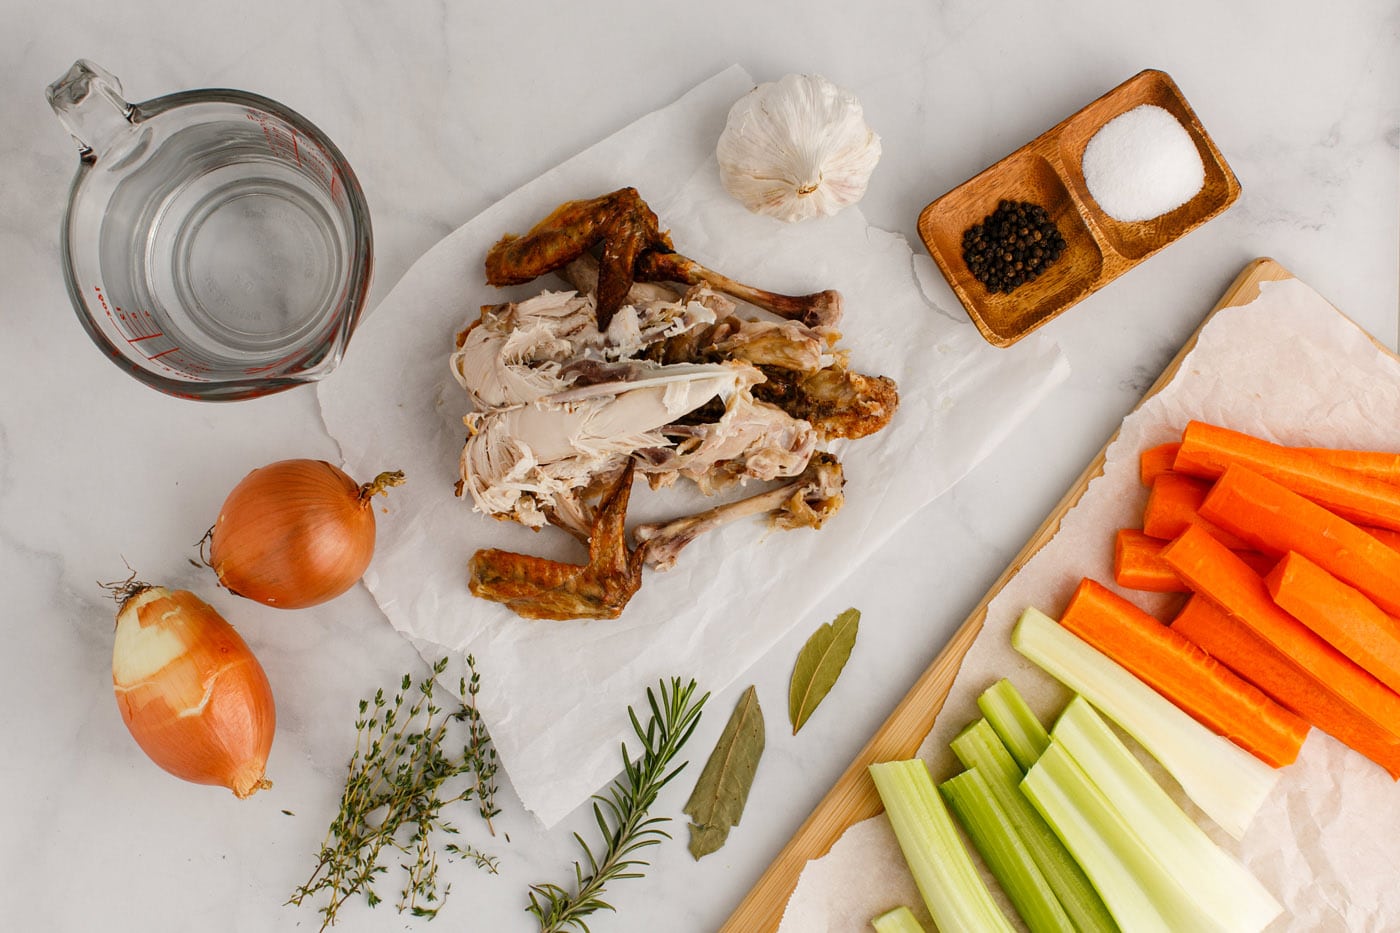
<point>1012,245</point>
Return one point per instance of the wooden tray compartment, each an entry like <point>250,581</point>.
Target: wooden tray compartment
<point>1098,248</point>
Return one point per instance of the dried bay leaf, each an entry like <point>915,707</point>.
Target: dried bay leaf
<point>723,787</point>
<point>818,665</point>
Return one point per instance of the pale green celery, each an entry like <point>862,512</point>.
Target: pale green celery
<point>978,748</point>
<point>1224,780</point>
<point>899,920</point>
<point>1017,727</point>
<point>1214,877</point>
<point>990,828</point>
<point>1142,895</point>
<point>952,888</point>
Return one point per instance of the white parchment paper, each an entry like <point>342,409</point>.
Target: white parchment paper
<point>1326,843</point>
<point>555,695</point>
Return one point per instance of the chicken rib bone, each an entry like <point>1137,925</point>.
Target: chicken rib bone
<point>815,310</point>
<point>808,501</point>
<point>536,588</point>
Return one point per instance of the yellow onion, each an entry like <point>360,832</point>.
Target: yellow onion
<point>295,533</point>
<point>190,692</point>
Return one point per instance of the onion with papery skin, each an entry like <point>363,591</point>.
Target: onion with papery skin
<point>190,691</point>
<point>296,533</point>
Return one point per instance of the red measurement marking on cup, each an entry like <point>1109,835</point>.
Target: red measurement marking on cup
<point>138,326</point>
<point>133,327</point>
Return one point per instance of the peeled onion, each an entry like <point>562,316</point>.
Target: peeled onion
<point>296,533</point>
<point>190,691</point>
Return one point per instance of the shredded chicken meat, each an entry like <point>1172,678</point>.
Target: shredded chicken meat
<point>574,392</point>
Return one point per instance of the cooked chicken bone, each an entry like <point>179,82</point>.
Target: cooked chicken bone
<point>806,502</point>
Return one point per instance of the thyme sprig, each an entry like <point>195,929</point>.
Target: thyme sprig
<point>621,814</point>
<point>393,802</point>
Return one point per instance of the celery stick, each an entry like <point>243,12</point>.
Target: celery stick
<point>951,886</point>
<point>970,798</point>
<point>1142,895</point>
<point>899,920</point>
<point>978,747</point>
<point>1216,879</point>
<point>1224,780</point>
<point>1017,727</point>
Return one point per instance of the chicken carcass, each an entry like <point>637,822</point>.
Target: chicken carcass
<point>575,392</point>
<point>559,404</point>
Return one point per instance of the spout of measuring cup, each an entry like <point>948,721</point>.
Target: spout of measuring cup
<point>88,100</point>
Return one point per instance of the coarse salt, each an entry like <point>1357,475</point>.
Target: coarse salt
<point>1142,164</point>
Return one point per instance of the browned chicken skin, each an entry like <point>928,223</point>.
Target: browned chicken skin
<point>537,588</point>
<point>838,402</point>
<point>633,248</point>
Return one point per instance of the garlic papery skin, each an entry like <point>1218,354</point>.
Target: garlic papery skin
<point>797,148</point>
<point>191,692</point>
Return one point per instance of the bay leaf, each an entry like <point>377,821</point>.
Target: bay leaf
<point>723,787</point>
<point>818,665</point>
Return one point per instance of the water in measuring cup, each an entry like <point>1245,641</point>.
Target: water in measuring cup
<point>234,253</point>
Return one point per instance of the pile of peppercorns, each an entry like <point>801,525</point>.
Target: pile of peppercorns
<point>1011,246</point>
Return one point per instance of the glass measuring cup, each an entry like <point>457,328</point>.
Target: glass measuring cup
<point>216,244</point>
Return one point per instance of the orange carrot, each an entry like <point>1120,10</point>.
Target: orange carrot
<point>1341,614</point>
<point>1213,571</point>
<point>1235,646</point>
<point>1174,504</point>
<point>1276,520</point>
<point>1138,563</point>
<point>1387,536</point>
<point>1206,450</point>
<point>1182,672</point>
<point>1155,461</point>
<point>1377,464</point>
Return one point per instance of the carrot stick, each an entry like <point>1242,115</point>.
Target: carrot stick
<point>1206,450</point>
<point>1138,563</point>
<point>1235,646</point>
<point>1212,570</point>
<point>1387,536</point>
<point>1182,672</point>
<point>1377,464</point>
<point>1174,504</point>
<point>1341,614</point>
<point>1155,461</point>
<point>1276,520</point>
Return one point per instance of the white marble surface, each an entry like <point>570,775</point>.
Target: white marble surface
<point>443,108</point>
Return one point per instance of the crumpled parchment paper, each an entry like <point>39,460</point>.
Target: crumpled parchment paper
<point>555,694</point>
<point>1326,843</point>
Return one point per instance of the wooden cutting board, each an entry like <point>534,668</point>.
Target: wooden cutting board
<point>853,798</point>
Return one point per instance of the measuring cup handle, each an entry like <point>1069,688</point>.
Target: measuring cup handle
<point>88,100</point>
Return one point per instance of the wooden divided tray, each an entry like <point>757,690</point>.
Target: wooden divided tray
<point>853,797</point>
<point>1098,248</point>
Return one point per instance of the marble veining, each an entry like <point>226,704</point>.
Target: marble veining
<point>443,108</point>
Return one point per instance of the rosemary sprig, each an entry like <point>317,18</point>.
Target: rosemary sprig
<point>622,814</point>
<point>392,798</point>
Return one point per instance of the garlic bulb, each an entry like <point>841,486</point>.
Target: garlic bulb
<point>797,148</point>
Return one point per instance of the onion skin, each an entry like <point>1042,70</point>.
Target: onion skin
<point>191,692</point>
<point>295,533</point>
